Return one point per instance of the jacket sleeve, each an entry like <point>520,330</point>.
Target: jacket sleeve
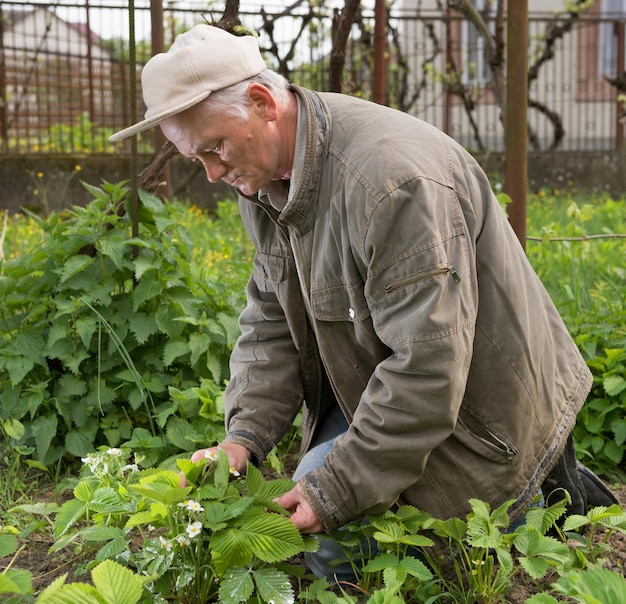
<point>265,390</point>
<point>422,292</point>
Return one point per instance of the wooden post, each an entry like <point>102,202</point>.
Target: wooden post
<point>516,117</point>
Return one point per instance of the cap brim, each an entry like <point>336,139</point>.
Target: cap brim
<point>153,121</point>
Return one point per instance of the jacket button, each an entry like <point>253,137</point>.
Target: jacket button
<point>351,313</point>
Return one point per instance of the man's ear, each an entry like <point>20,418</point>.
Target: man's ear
<point>263,101</point>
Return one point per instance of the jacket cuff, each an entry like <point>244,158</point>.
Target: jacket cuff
<point>324,507</point>
<point>247,440</point>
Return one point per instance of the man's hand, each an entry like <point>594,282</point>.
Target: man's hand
<point>302,514</point>
<point>238,457</point>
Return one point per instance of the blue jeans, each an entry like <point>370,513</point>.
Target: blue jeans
<point>325,562</point>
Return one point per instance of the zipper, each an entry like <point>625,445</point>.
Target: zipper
<point>440,269</point>
<point>491,438</point>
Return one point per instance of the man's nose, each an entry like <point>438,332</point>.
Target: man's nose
<point>214,168</point>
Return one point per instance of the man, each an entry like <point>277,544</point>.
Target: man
<point>389,295</point>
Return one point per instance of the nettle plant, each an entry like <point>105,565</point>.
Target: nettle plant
<point>106,338</point>
<point>218,538</point>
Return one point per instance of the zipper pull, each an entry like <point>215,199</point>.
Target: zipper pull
<point>454,274</point>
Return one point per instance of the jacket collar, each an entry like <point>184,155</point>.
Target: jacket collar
<point>312,137</point>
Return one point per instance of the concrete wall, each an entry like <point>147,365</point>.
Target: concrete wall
<point>44,184</point>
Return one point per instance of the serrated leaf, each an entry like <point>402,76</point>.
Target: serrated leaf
<point>236,586</point>
<point>29,344</point>
<point>273,585</point>
<point>151,202</point>
<point>75,265</point>
<point>269,537</point>
<point>112,549</point>
<point>613,384</point>
<point>74,593</point>
<point>86,327</point>
<point>17,367</point>
<point>69,513</point>
<point>119,585</point>
<point>16,582</point>
<point>80,441</point>
<point>148,288</point>
<point>182,434</point>
<point>535,567</point>
<point>44,429</point>
<point>416,568</point>
<point>70,385</point>
<point>113,245</point>
<point>143,326</point>
<point>174,349</point>
<point>198,344</point>
<point>139,519</point>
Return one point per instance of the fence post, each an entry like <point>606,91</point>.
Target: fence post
<point>3,86</point>
<point>619,117</point>
<point>516,116</point>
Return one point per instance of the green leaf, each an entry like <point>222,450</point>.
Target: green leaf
<point>86,327</point>
<point>151,202</point>
<point>236,586</point>
<point>101,533</point>
<point>273,585</point>
<point>119,585</point>
<point>73,593</point>
<point>112,548</point>
<point>174,349</point>
<point>14,429</point>
<point>44,429</point>
<point>182,434</point>
<point>148,288</point>
<point>198,344</point>
<point>16,581</point>
<point>8,544</point>
<point>268,536</point>
<point>542,599</point>
<point>80,441</point>
<point>70,385</point>
<point>69,513</point>
<point>75,265</point>
<point>113,245</point>
<point>17,367</point>
<point>143,326</point>
<point>614,384</point>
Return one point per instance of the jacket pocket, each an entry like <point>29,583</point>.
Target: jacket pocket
<point>341,302</point>
<point>438,270</point>
<point>478,436</point>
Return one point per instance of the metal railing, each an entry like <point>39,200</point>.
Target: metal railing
<point>64,76</point>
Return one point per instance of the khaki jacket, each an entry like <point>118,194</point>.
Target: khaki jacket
<point>393,269</point>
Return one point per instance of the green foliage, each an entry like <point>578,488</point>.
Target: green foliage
<point>586,277</point>
<point>217,537</point>
<point>12,581</point>
<point>106,338</point>
<point>112,584</point>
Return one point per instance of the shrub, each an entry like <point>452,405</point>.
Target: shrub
<point>105,337</point>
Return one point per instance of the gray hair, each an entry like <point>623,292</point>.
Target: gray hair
<point>233,100</point>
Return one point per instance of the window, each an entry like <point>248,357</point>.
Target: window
<point>476,71</point>
<point>611,10</point>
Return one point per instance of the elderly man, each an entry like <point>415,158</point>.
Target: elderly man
<point>389,296</point>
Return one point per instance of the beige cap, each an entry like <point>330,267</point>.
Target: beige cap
<point>199,62</point>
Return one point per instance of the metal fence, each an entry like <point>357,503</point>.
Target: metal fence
<point>64,71</point>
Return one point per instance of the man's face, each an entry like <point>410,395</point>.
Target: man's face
<point>243,152</point>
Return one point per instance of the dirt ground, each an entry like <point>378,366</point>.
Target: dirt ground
<point>46,567</point>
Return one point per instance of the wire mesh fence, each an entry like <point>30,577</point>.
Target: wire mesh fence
<point>65,77</point>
